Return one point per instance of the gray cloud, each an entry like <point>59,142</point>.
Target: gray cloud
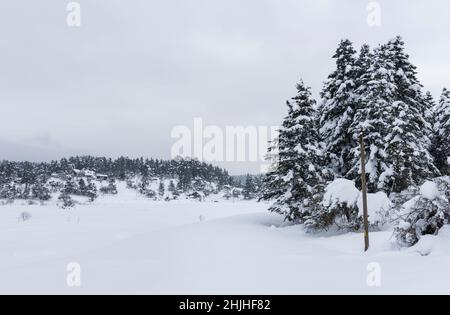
<point>135,69</point>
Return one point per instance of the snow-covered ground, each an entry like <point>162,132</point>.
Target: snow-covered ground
<point>127,244</point>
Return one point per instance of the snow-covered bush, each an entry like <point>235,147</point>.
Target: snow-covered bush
<point>40,192</point>
<point>56,185</point>
<point>110,189</point>
<point>398,199</point>
<point>339,207</point>
<point>342,206</point>
<point>9,192</point>
<point>379,209</point>
<point>340,201</point>
<point>443,184</point>
<point>67,201</point>
<point>422,215</point>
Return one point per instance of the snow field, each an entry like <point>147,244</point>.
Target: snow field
<point>127,244</point>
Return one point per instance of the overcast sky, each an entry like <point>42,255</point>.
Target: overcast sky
<point>118,84</point>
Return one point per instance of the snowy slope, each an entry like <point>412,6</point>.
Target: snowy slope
<point>127,244</point>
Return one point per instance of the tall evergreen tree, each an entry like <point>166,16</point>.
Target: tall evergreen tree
<point>363,66</point>
<point>430,105</point>
<point>338,107</point>
<point>400,148</point>
<point>172,189</point>
<point>395,131</point>
<point>82,188</point>
<point>408,85</point>
<point>441,133</point>
<point>376,95</point>
<point>91,191</point>
<point>409,91</point>
<point>249,187</point>
<point>70,187</point>
<point>161,188</point>
<point>291,183</point>
<point>363,63</point>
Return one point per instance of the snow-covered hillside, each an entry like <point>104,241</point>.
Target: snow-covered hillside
<point>128,244</point>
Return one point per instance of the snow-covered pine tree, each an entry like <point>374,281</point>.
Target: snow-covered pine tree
<point>395,131</point>
<point>269,177</point>
<point>82,188</point>
<point>91,191</point>
<point>408,85</point>
<point>291,183</point>
<point>400,148</point>
<point>249,187</point>
<point>179,187</point>
<point>26,192</point>
<point>441,133</point>
<point>161,188</point>
<point>409,91</point>
<point>376,94</point>
<point>112,186</point>
<point>40,192</point>
<point>362,63</point>
<point>70,187</point>
<point>172,189</point>
<point>430,107</point>
<point>67,201</point>
<point>337,108</point>
<point>12,192</point>
<point>143,185</point>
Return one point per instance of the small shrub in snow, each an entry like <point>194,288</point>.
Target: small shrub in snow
<point>131,184</point>
<point>67,201</point>
<point>110,189</point>
<point>422,215</point>
<point>6,202</point>
<point>24,216</point>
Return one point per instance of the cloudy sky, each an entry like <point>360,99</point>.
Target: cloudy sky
<point>119,84</point>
